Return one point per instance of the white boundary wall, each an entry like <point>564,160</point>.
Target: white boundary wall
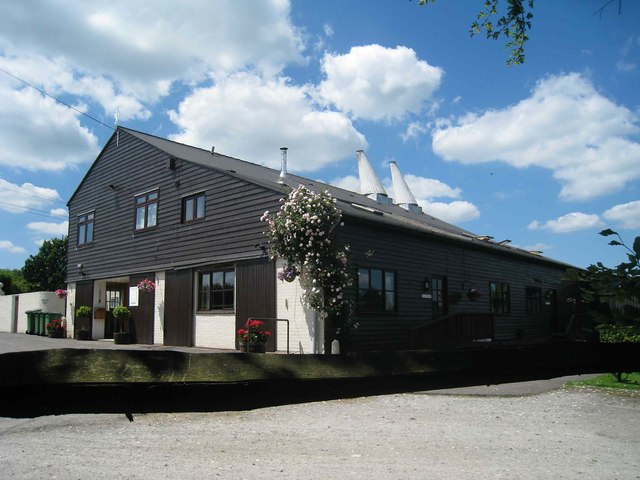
<point>48,302</point>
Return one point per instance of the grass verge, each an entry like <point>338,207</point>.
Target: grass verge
<point>628,381</point>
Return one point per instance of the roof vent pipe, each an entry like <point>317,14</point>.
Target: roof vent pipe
<point>213,150</point>
<point>401,190</point>
<point>370,184</point>
<point>283,165</point>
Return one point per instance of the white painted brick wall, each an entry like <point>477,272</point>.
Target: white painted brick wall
<point>305,329</point>
<point>216,331</point>
<point>158,310</point>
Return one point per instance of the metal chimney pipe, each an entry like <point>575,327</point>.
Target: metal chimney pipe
<point>283,167</point>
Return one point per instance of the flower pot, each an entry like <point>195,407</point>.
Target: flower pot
<point>83,335</point>
<point>121,338</point>
<point>56,333</point>
<point>259,347</point>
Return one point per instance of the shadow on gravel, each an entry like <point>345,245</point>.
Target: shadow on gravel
<point>57,382</point>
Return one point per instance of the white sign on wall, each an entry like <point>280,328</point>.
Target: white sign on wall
<point>133,296</point>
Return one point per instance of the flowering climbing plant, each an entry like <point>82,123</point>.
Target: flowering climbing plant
<point>301,233</point>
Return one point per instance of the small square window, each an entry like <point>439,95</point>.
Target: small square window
<point>216,290</point>
<point>193,207</point>
<point>376,290</point>
<point>146,211</point>
<point>500,300</point>
<point>85,228</point>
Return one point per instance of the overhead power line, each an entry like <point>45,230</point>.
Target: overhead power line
<point>35,211</point>
<point>57,99</point>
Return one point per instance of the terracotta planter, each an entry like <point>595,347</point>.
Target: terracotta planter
<point>83,335</point>
<point>258,347</point>
<point>121,338</point>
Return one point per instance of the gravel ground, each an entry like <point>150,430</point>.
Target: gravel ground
<point>563,434</point>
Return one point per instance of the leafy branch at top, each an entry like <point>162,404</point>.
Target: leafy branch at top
<point>514,25</point>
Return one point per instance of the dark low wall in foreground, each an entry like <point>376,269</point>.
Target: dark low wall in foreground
<point>56,382</point>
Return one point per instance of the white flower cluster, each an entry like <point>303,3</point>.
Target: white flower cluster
<point>301,233</point>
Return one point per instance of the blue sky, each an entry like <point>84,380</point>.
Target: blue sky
<point>545,154</point>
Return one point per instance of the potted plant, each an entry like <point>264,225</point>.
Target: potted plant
<point>122,315</point>
<point>55,328</point>
<point>253,337</point>
<point>83,314</point>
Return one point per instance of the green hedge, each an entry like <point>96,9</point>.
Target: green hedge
<point>619,333</point>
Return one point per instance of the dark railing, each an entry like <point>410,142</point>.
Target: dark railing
<point>580,328</point>
<point>456,329</point>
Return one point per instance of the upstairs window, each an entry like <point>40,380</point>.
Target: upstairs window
<point>193,207</point>
<point>146,212</point>
<point>500,297</point>
<point>439,305</point>
<point>85,228</point>
<point>216,290</point>
<point>376,290</point>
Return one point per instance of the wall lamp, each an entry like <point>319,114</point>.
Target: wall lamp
<point>81,269</point>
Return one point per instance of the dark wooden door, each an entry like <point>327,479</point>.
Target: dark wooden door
<point>141,324</point>
<point>84,296</point>
<point>116,296</point>
<point>256,296</point>
<point>178,308</point>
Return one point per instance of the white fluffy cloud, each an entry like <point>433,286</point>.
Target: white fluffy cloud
<point>571,222</point>
<point>126,56</point>
<point>565,126</point>
<point>10,247</point>
<point>50,229</point>
<point>272,114</point>
<point>373,82</point>
<point>36,133</point>
<point>627,215</point>
<point>452,212</point>
<point>19,198</point>
<point>425,190</point>
<point>350,182</point>
<point>59,212</point>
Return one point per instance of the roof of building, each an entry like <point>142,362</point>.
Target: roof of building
<point>351,203</point>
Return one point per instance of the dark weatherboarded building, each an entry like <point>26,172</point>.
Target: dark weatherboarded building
<point>188,219</point>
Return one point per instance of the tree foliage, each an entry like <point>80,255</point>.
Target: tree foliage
<point>13,282</point>
<point>513,24</point>
<point>47,270</point>
<point>613,292</point>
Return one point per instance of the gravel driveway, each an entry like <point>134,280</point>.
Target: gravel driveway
<point>563,434</point>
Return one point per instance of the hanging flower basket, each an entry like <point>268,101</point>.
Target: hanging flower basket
<point>61,293</point>
<point>473,294</point>
<point>288,273</point>
<point>146,285</point>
